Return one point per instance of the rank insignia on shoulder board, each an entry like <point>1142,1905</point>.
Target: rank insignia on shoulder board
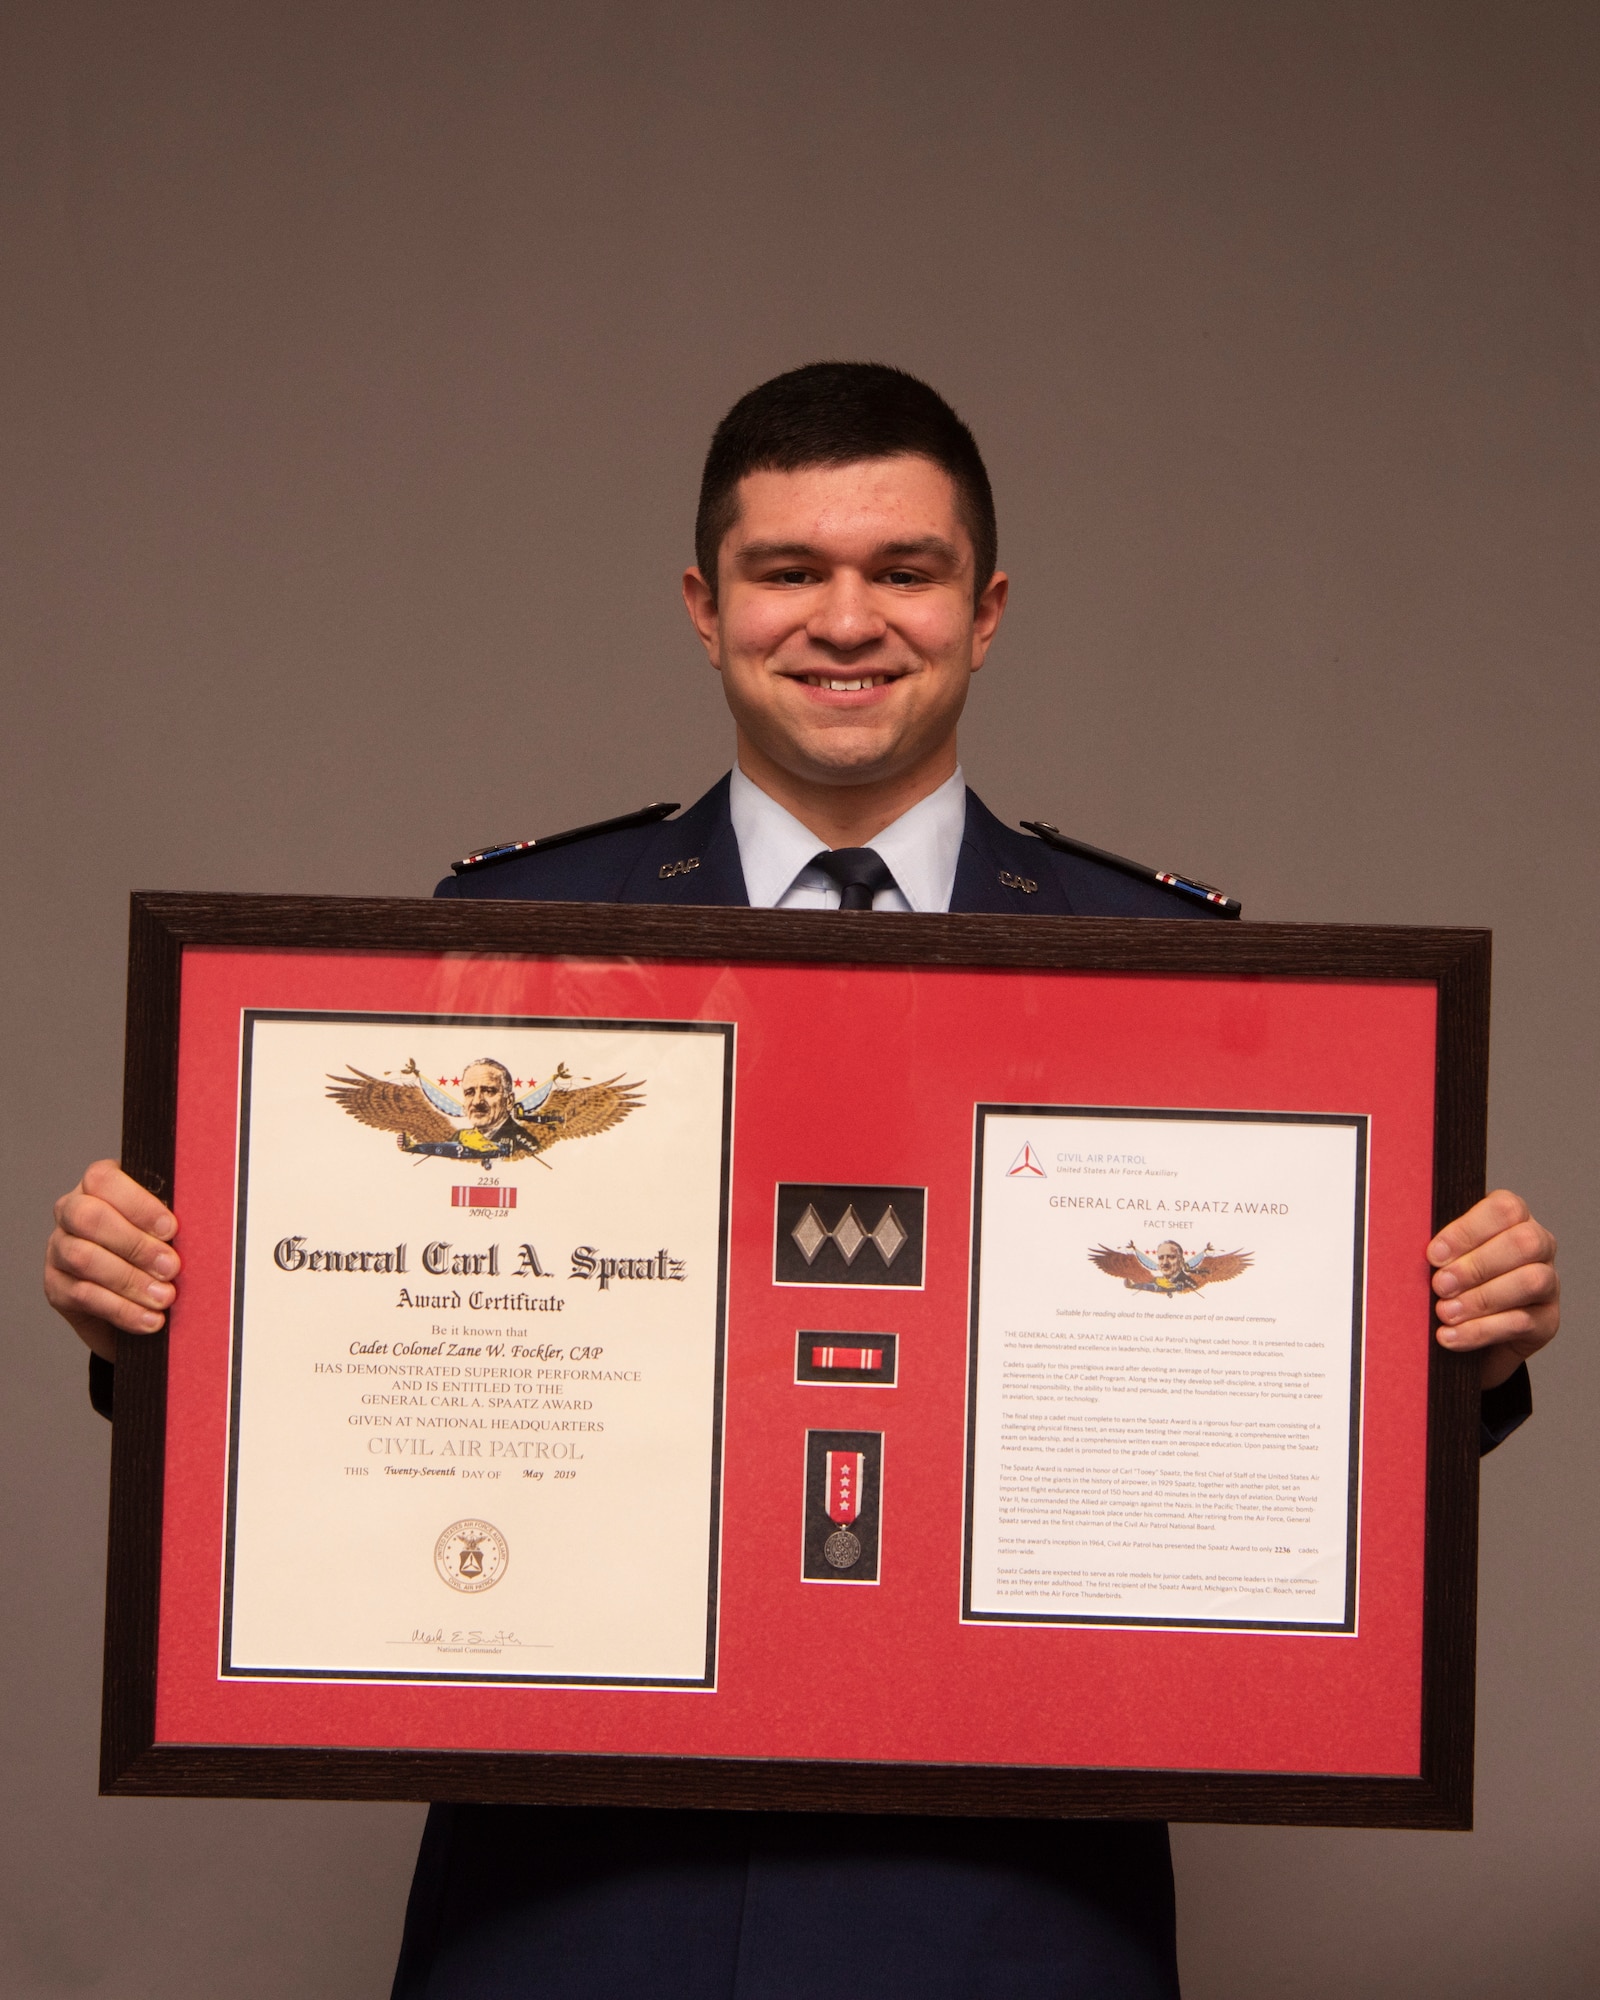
<point>1181,885</point>
<point>508,850</point>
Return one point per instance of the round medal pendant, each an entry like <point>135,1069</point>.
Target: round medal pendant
<point>842,1549</point>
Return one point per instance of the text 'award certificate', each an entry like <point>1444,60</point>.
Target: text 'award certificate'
<point>478,1333</point>
<point>1165,1368</point>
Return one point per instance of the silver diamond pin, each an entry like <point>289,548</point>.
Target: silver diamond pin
<point>809,1233</point>
<point>849,1234</point>
<point>891,1235</point>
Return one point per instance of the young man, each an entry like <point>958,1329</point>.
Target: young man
<point>846,591</point>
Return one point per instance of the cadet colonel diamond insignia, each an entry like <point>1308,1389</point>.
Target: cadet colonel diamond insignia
<point>831,1235</point>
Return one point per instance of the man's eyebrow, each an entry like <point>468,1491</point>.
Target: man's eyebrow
<point>759,552</point>
<point>924,545</point>
<point>921,545</point>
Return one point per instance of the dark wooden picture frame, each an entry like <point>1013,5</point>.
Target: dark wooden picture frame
<point>1454,962</point>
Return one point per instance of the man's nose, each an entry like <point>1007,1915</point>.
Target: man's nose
<point>844,616</point>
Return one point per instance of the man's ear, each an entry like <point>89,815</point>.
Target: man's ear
<point>991,608</point>
<point>700,602</point>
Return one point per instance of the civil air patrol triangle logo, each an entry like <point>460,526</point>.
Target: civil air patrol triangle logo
<point>1027,1164</point>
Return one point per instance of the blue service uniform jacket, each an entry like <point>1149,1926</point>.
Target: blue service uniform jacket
<point>695,859</point>
<point>564,1903</point>
<point>558,1904</point>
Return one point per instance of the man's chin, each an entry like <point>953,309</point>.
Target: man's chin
<point>846,756</point>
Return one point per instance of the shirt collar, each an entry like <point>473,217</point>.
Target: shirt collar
<point>921,848</point>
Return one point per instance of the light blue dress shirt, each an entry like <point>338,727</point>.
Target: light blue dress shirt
<point>920,850</point>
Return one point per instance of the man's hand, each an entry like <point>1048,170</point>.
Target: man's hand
<point>110,1260</point>
<point>1495,1280</point>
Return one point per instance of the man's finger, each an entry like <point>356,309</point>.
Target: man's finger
<point>110,1261</point>
<point>1524,1330</point>
<point>84,1262</point>
<point>1527,1285</point>
<point>1496,1212</point>
<point>106,1181</point>
<point>92,1219</point>
<point>1528,1243</point>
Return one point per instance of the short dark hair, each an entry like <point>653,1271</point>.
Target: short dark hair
<point>837,413</point>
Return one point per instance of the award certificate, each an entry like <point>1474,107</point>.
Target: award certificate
<point>478,1338</point>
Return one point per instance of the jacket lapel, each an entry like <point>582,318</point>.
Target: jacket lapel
<point>691,859</point>
<point>695,859</point>
<point>1004,873</point>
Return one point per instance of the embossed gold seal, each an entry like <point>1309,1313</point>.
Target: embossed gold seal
<point>471,1555</point>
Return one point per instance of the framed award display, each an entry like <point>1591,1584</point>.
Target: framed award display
<point>809,1360</point>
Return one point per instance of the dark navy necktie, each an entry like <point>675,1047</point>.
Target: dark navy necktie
<point>859,871</point>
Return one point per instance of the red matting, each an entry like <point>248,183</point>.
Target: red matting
<point>868,1075</point>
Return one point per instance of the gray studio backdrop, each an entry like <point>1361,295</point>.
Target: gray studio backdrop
<point>358,361</point>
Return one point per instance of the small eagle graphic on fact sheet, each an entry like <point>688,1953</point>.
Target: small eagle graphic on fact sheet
<point>1170,1269</point>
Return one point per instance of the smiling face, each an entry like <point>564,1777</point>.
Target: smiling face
<point>844,624</point>
<point>486,1094</point>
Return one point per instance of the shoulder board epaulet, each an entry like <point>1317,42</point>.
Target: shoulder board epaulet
<point>1182,885</point>
<point>508,850</point>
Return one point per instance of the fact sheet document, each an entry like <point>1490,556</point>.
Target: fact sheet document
<point>1165,1368</point>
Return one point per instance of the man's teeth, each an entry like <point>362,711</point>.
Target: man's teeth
<point>846,687</point>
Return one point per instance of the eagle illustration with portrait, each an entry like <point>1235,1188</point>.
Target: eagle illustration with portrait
<point>494,1119</point>
<point>1170,1270</point>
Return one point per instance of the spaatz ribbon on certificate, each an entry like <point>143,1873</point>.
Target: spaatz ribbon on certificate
<point>844,1474</point>
<point>483,1197</point>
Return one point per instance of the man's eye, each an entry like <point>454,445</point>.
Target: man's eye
<point>792,576</point>
<point>902,576</point>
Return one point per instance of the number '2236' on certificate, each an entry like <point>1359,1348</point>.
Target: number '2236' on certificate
<point>1165,1368</point>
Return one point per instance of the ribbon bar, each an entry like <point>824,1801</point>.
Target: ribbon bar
<point>847,1357</point>
<point>483,1197</point>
